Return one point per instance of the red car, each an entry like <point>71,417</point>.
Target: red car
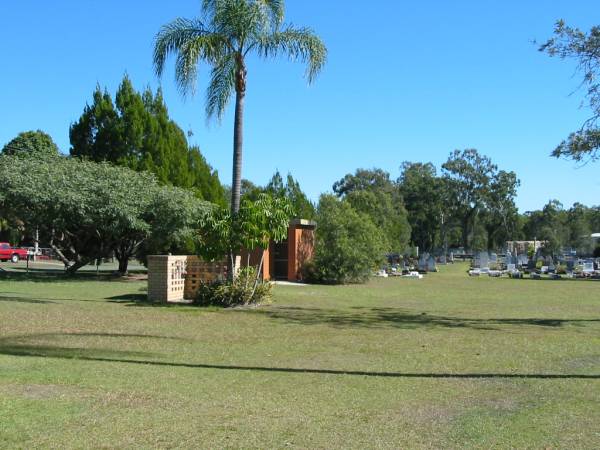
<point>9,253</point>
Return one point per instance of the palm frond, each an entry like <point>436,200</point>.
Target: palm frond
<point>190,41</point>
<point>274,10</point>
<point>172,36</point>
<point>221,87</point>
<point>299,44</point>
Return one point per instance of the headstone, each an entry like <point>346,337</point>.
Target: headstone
<point>508,259</point>
<point>493,258</point>
<point>431,266</point>
<point>550,264</point>
<point>511,268</point>
<point>423,262</point>
<point>522,260</point>
<point>588,267</point>
<point>484,260</point>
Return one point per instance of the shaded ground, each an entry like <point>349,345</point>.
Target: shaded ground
<point>444,362</point>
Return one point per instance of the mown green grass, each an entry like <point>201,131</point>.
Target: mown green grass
<point>444,362</point>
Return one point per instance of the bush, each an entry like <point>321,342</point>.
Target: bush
<point>349,247</point>
<point>242,291</point>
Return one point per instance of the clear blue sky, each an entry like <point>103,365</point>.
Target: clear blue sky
<point>404,81</point>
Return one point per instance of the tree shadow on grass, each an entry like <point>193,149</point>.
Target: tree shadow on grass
<point>27,345</point>
<point>123,357</point>
<point>404,319</point>
<point>59,275</point>
<point>16,299</point>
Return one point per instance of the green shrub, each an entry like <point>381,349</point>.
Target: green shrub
<point>242,291</point>
<point>349,247</point>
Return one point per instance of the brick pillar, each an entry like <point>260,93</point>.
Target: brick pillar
<point>166,278</point>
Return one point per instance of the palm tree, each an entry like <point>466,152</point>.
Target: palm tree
<point>227,33</point>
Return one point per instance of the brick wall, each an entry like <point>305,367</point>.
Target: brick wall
<point>175,278</point>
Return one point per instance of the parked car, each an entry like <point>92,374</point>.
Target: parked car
<point>13,254</point>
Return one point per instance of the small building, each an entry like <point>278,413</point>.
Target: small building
<point>284,260</point>
<point>175,278</point>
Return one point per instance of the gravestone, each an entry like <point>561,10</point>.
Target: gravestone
<point>431,266</point>
<point>484,260</point>
<point>522,260</point>
<point>550,265</point>
<point>423,262</point>
<point>493,258</point>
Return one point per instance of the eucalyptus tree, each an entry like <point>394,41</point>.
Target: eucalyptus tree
<point>223,38</point>
<point>584,48</point>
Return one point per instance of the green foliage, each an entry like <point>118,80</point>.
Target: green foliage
<point>475,187</point>
<point>174,215</point>
<point>376,197</point>
<point>228,32</point>
<point>423,194</point>
<point>231,30</point>
<point>86,210</point>
<point>583,47</point>
<point>136,132</point>
<point>254,226</point>
<point>241,291</point>
<point>31,142</point>
<point>349,247</point>
<point>302,207</point>
<point>363,179</point>
<point>549,225</point>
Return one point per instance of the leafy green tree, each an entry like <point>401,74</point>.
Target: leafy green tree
<point>256,224</point>
<point>476,188</point>
<point>174,215</point>
<point>500,217</point>
<point>579,228</point>
<point>301,205</point>
<point>82,209</point>
<point>583,47</point>
<point>28,142</point>
<point>349,247</point>
<point>373,194</point>
<point>228,33</point>
<point>549,225</point>
<point>135,131</point>
<point>423,194</point>
<point>364,179</point>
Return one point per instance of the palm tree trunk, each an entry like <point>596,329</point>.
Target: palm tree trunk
<point>238,141</point>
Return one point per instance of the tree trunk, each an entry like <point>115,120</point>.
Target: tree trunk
<point>123,264</point>
<point>78,265</point>
<point>238,141</point>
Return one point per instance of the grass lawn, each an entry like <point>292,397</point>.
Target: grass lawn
<point>444,362</point>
